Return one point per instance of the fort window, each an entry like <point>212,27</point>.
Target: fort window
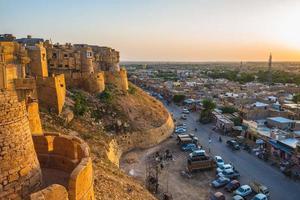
<point>66,65</point>
<point>54,55</point>
<point>60,65</point>
<point>89,54</point>
<point>65,55</point>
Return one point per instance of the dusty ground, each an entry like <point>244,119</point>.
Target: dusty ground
<point>135,163</point>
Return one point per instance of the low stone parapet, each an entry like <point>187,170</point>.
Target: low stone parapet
<point>70,155</point>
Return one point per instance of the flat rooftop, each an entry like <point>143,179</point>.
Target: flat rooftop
<point>281,119</point>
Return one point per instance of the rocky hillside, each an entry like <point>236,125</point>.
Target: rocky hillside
<point>100,118</point>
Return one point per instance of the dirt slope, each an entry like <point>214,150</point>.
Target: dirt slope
<point>105,119</point>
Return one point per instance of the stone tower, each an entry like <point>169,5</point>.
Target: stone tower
<point>86,56</point>
<point>38,60</point>
<point>20,172</point>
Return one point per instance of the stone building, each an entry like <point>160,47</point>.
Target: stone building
<point>86,66</point>
<point>26,152</point>
<point>51,90</point>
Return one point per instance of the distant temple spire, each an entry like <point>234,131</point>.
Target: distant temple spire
<point>270,69</point>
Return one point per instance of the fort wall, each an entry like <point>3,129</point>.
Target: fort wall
<point>71,155</point>
<point>138,139</point>
<point>91,82</point>
<point>20,170</point>
<point>51,92</point>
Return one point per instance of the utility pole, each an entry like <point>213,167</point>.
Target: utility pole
<point>270,70</point>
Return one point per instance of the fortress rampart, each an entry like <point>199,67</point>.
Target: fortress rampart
<point>20,170</point>
<point>138,139</point>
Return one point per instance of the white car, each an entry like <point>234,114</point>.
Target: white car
<point>260,196</point>
<point>243,191</point>
<point>224,167</point>
<point>219,160</point>
<point>237,197</point>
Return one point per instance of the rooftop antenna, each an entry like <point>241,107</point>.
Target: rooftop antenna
<point>270,70</point>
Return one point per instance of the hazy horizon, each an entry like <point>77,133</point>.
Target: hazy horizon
<point>165,31</point>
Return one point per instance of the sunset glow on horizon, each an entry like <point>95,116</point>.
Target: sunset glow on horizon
<point>168,30</point>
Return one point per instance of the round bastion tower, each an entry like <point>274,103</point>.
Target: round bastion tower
<point>20,172</point>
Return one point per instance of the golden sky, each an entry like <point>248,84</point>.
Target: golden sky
<point>165,30</point>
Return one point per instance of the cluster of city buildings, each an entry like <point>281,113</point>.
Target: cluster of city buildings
<point>264,116</point>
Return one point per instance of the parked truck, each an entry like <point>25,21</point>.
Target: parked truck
<point>259,188</point>
<point>193,165</point>
<point>186,139</point>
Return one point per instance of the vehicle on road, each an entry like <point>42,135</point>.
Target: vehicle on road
<point>233,185</point>
<point>243,190</point>
<point>186,139</point>
<point>217,196</point>
<point>220,182</point>
<point>237,197</point>
<point>185,111</point>
<point>219,160</point>
<point>180,131</point>
<point>233,144</point>
<point>183,116</point>
<point>259,188</point>
<point>224,167</point>
<point>260,196</point>
<point>189,147</point>
<point>198,154</point>
<point>229,173</point>
<point>194,165</point>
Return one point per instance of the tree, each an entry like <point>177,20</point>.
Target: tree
<point>228,109</point>
<point>178,98</point>
<point>206,113</point>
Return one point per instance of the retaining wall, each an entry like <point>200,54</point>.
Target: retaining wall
<point>145,139</point>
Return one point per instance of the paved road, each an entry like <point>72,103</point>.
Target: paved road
<point>250,167</point>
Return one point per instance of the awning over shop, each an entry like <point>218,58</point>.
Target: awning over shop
<point>277,145</point>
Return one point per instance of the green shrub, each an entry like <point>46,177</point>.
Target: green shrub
<point>80,106</point>
<point>178,98</point>
<point>106,96</point>
<point>131,89</point>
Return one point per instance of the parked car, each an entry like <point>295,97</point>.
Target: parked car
<point>217,196</point>
<point>233,144</point>
<point>233,185</point>
<point>189,147</point>
<point>260,196</point>
<point>237,197</point>
<point>229,173</point>
<point>243,190</point>
<point>220,182</point>
<point>185,111</point>
<point>219,160</point>
<point>197,153</point>
<point>221,168</point>
<point>180,130</point>
<point>183,116</point>
<point>259,188</point>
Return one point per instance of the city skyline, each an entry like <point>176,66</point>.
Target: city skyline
<point>194,31</point>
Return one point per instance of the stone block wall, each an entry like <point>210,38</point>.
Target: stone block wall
<point>145,139</point>
<point>91,82</point>
<point>51,92</point>
<point>71,155</point>
<point>34,118</point>
<point>20,172</point>
<point>52,192</point>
